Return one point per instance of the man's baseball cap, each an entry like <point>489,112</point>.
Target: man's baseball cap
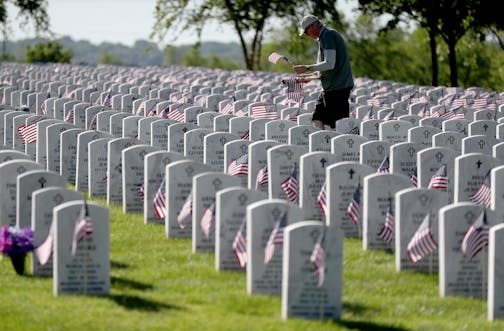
<point>306,22</point>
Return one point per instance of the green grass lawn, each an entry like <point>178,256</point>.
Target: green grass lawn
<point>158,284</point>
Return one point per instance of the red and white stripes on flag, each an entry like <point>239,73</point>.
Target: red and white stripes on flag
<point>322,200</point>
<point>69,116</point>
<point>239,166</point>
<point>262,177</point>
<point>45,250</point>
<point>42,109</point>
<point>83,227</point>
<point>353,209</point>
<point>318,258</point>
<point>227,108</point>
<point>176,115</point>
<point>476,237</point>
<point>414,178</point>
<point>440,179</point>
<point>422,243</point>
<point>294,89</point>
<point>275,57</point>
<point>28,132</point>
<point>290,185</point>
<point>140,190</point>
<point>387,230</point>
<point>208,220</point>
<point>384,167</point>
<point>275,239</point>
<point>264,111</point>
<point>185,216</point>
<point>245,136</point>
<point>159,201</point>
<point>240,244</point>
<point>483,195</point>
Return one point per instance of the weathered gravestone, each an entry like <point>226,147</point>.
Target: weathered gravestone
<point>347,147</point>
<point>312,179</point>
<point>26,184</point>
<point>42,204</point>
<point>9,171</point>
<point>144,129</point>
<point>306,293</point>
<point>213,153</point>
<point>258,162</point>
<point>176,136</point>
<point>116,124</point>
<point>114,167</point>
<point>343,179</point>
<point>495,273</point>
<point>53,144</point>
<point>230,217</point>
<point>83,139</point>
<point>373,152</point>
<point>97,167</point>
<point>278,130</point>
<point>205,186</point>
<point>422,135</point>
<point>321,140</point>
<point>178,186</point>
<point>193,144</point>
<point>370,129</point>
<point>456,125</point>
<point>377,197</point>
<point>264,276</point>
<point>448,139</point>
<point>68,154</point>
<point>459,274</point>
<point>412,205</point>
<point>470,172</point>
<point>497,191</point>
<point>159,132</point>
<point>257,129</point>
<point>478,144</point>
<point>88,270</point>
<point>133,177</point>
<point>41,147</point>
<point>283,163</point>
<point>394,131</point>
<point>9,154</point>
<point>154,173</point>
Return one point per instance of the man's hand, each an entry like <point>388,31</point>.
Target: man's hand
<point>301,69</point>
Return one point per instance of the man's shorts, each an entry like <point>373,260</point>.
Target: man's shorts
<point>332,106</point>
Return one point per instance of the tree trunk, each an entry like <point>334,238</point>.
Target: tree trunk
<point>452,56</point>
<point>434,62</point>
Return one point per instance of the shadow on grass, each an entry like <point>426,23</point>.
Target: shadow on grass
<point>357,308</point>
<point>368,326</point>
<point>136,303</point>
<point>118,265</point>
<point>121,283</point>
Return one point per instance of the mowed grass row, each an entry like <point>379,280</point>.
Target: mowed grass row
<point>158,284</point>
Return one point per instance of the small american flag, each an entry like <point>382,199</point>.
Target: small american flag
<point>353,209</point>
<point>245,136</point>
<point>387,230</point>
<point>208,220</point>
<point>390,116</point>
<point>239,166</point>
<point>264,111</point>
<point>69,116</point>
<point>414,178</point>
<point>240,244</point>
<point>369,115</point>
<point>422,243</point>
<point>185,215</point>
<point>318,258</point>
<point>275,239</point>
<point>28,132</point>
<point>44,251</point>
<point>483,195</point>
<point>163,113</point>
<point>384,167</point>
<point>262,177</point>
<point>275,57</point>
<point>140,190</point>
<point>321,199</point>
<point>294,89</point>
<point>476,237</point>
<point>290,185</point>
<point>227,108</point>
<point>42,109</point>
<point>107,102</point>
<point>159,201</point>
<point>176,115</point>
<point>83,227</point>
<point>440,179</point>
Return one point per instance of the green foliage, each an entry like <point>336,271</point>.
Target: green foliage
<point>107,57</point>
<point>159,284</point>
<point>194,58</point>
<point>49,51</point>
<point>29,10</point>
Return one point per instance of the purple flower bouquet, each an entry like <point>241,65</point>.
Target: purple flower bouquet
<point>16,243</point>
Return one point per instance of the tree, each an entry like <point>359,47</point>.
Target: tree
<point>50,51</point>
<point>451,19</point>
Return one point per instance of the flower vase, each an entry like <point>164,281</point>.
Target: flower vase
<point>18,262</point>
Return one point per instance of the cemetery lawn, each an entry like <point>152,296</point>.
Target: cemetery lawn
<point>158,284</point>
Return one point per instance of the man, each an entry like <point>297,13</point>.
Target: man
<point>335,73</point>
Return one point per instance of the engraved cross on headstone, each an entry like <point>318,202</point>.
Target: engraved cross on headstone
<point>223,140</point>
<point>426,134</point>
<point>481,144</point>
<point>451,140</point>
<point>42,182</point>
<point>439,156</point>
<point>351,173</point>
<point>281,126</point>
<point>217,184</point>
<point>380,149</point>
<point>350,143</point>
<point>411,151</point>
<point>327,139</point>
<point>242,199</point>
<point>289,153</point>
<point>323,162</point>
<point>485,127</point>
<point>189,171</point>
<point>479,163</point>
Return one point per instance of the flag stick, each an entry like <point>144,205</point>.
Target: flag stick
<point>430,263</point>
<point>85,262</point>
<point>321,298</point>
<point>483,273</point>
